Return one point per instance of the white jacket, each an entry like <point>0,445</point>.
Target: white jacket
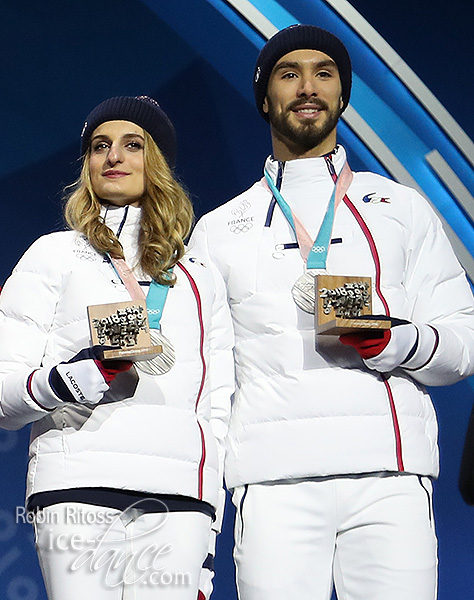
<point>303,412</point>
<point>157,434</point>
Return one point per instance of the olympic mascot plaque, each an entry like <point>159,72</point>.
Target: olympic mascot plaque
<point>123,325</point>
<point>344,305</point>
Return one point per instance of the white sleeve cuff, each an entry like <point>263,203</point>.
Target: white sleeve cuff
<point>40,391</point>
<point>428,340</point>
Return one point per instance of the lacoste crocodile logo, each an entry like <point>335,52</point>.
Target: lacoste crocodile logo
<point>373,199</point>
<point>193,259</point>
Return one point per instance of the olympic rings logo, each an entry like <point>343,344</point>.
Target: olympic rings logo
<point>318,249</point>
<point>240,227</point>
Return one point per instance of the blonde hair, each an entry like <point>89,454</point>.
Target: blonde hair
<point>166,218</point>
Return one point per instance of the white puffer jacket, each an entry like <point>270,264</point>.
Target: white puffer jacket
<point>303,412</point>
<point>157,434</point>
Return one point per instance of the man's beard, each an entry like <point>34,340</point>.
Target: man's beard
<point>305,136</point>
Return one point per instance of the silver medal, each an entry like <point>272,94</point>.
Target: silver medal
<point>164,361</point>
<point>303,290</point>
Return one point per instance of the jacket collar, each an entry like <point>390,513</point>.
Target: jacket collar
<point>306,171</point>
<point>121,218</point>
<point>124,221</point>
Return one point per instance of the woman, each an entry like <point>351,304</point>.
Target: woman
<point>125,461</point>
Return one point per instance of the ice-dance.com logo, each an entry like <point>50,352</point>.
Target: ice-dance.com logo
<point>128,547</point>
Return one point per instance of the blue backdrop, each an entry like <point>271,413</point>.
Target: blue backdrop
<point>60,59</point>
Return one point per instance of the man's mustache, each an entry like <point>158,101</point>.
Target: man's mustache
<point>321,104</point>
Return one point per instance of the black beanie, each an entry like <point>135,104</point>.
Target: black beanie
<point>300,37</point>
<point>141,110</point>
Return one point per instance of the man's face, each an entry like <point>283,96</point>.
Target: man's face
<point>303,103</point>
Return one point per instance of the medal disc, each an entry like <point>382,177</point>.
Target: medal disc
<point>164,361</point>
<point>303,290</point>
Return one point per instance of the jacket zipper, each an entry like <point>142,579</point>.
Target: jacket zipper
<point>375,256</point>
<point>197,297</point>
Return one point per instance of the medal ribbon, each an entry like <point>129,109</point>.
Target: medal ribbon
<point>315,253</point>
<point>157,293</point>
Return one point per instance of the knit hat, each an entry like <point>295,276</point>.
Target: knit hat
<point>141,110</point>
<point>300,37</point>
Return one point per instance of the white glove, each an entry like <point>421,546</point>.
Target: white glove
<point>400,348</point>
<point>410,347</point>
<point>83,379</point>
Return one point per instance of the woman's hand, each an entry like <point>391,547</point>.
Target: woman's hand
<point>85,379</point>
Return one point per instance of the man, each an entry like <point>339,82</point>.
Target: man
<point>333,442</point>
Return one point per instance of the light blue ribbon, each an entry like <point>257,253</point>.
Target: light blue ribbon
<point>318,254</point>
<point>155,303</point>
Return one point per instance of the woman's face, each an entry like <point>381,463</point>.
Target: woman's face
<point>117,166</point>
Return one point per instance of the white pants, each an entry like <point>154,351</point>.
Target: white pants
<point>374,536</point>
<point>93,553</point>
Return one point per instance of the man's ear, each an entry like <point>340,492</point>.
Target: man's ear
<point>265,106</point>
<point>341,103</point>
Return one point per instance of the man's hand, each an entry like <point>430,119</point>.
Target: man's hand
<point>387,349</point>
